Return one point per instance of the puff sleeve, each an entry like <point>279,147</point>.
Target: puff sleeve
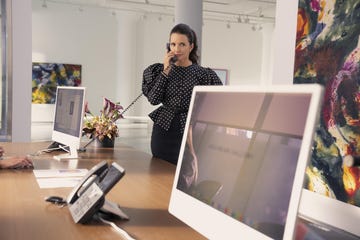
<point>154,83</point>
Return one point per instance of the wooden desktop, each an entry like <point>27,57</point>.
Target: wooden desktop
<point>143,194</point>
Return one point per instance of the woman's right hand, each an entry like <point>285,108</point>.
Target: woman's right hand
<point>167,58</point>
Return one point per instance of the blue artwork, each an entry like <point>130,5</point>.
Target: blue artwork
<point>47,76</point>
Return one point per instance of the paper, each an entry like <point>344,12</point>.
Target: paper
<point>58,178</point>
<point>49,173</point>
<point>57,182</point>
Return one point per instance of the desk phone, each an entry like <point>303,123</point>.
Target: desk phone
<point>88,197</point>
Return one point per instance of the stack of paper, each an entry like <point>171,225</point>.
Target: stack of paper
<point>57,178</point>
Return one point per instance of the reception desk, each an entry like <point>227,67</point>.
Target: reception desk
<point>143,194</point>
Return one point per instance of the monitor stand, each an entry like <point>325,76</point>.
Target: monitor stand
<point>55,146</point>
<point>72,154</point>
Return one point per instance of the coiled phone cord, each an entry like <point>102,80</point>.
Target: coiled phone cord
<point>132,103</point>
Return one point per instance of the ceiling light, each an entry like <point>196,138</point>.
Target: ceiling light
<point>239,19</point>
<point>247,20</point>
<point>260,14</point>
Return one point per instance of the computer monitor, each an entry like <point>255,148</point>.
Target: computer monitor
<point>69,114</point>
<point>242,160</point>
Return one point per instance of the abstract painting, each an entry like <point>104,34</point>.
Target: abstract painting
<point>47,76</point>
<point>327,52</point>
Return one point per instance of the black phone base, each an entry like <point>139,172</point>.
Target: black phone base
<point>113,209</point>
<point>88,197</point>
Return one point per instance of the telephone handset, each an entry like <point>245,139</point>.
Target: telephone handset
<point>174,58</point>
<point>88,197</point>
<point>93,174</point>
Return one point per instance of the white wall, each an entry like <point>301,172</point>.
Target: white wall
<point>237,48</point>
<point>114,51</point>
<point>63,34</point>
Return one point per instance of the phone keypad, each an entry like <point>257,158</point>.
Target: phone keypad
<point>85,202</point>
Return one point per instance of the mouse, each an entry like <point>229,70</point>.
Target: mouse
<point>55,199</point>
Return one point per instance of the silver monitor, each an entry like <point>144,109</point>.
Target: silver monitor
<point>69,113</point>
<point>242,160</point>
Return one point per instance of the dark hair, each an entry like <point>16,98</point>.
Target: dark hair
<point>184,29</point>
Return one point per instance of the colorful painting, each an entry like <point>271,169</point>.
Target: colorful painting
<point>47,76</point>
<point>328,52</point>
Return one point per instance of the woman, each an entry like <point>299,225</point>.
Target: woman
<point>171,84</point>
<point>14,162</point>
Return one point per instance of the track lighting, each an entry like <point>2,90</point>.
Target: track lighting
<point>239,19</point>
<point>256,27</point>
<point>246,20</point>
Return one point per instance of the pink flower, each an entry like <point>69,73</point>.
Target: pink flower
<point>86,108</point>
<point>112,110</point>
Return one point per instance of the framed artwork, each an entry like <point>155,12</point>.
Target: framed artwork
<point>223,74</point>
<point>47,76</point>
<point>327,52</point>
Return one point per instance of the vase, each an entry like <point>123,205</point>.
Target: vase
<point>106,142</point>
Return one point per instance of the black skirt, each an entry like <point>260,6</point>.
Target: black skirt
<point>166,144</point>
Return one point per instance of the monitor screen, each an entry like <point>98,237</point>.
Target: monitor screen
<point>242,160</point>
<point>69,113</point>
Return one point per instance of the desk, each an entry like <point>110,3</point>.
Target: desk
<point>143,194</point>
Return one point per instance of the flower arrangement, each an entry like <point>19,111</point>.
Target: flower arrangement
<point>103,125</point>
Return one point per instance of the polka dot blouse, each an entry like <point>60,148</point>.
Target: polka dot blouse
<point>174,91</point>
